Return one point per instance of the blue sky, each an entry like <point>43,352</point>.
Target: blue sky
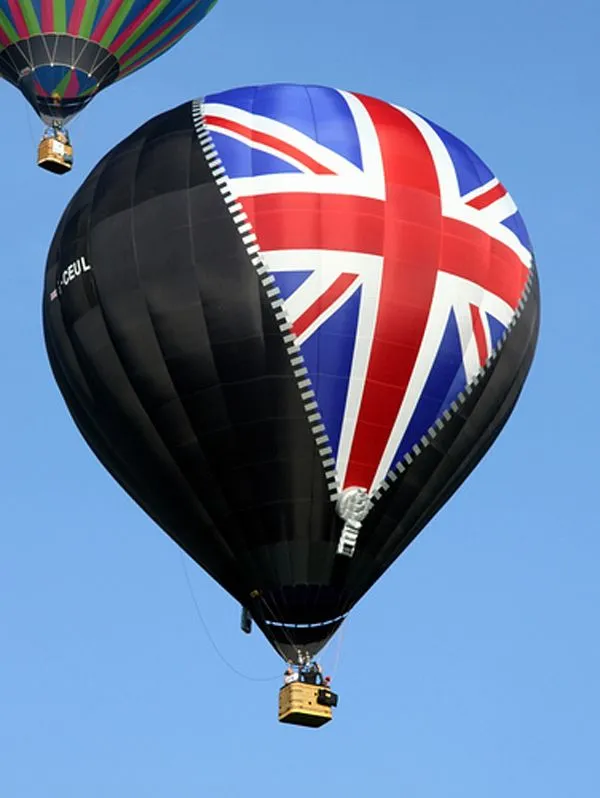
<point>471,669</point>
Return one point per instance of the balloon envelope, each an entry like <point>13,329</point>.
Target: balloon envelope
<point>60,55</point>
<point>290,321</point>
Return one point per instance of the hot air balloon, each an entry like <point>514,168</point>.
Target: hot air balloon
<point>60,55</point>
<point>290,321</point>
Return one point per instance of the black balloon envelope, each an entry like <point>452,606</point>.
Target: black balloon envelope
<point>290,320</point>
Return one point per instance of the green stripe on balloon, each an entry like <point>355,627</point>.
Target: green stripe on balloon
<point>141,53</point>
<point>7,27</point>
<point>62,86</point>
<point>139,60</point>
<point>114,26</point>
<point>30,17</point>
<point>129,65</point>
<point>141,29</point>
<point>87,20</point>
<point>60,16</point>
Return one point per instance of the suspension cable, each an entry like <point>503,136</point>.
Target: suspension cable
<point>210,637</point>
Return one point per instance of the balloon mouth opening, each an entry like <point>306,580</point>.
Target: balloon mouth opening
<point>62,110</point>
<point>295,643</point>
<point>290,620</point>
<point>316,625</point>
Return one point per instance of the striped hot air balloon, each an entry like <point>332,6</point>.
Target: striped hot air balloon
<point>61,53</point>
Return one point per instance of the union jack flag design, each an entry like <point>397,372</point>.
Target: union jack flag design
<point>401,259</point>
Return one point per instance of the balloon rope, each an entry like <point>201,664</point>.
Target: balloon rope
<point>210,637</point>
<point>338,652</point>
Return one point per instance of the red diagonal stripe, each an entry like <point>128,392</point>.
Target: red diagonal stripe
<point>324,302</point>
<point>485,199</point>
<point>479,334</point>
<point>156,36</point>
<point>39,89</point>
<point>72,89</point>
<point>122,37</point>
<point>47,15</point>
<point>18,19</point>
<point>76,17</point>
<point>104,22</point>
<point>270,141</point>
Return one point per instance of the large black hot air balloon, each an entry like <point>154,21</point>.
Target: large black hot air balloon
<point>290,321</point>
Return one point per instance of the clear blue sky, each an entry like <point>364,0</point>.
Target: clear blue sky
<point>471,669</point>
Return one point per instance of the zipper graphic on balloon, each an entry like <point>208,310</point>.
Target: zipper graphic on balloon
<point>249,239</point>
